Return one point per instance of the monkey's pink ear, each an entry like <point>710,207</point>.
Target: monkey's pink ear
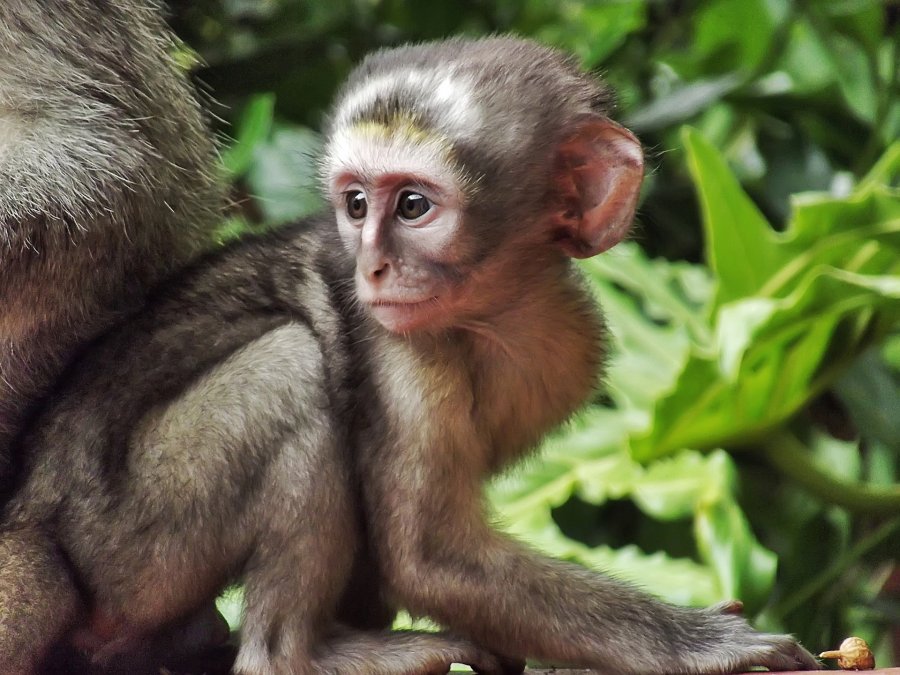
<point>598,178</point>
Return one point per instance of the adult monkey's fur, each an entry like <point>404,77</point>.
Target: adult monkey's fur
<point>106,182</point>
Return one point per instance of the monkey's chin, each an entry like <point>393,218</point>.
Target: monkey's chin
<point>407,317</point>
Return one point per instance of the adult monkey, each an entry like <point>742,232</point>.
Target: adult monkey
<point>325,401</point>
<point>107,182</point>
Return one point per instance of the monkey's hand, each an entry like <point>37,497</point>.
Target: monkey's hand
<point>723,642</point>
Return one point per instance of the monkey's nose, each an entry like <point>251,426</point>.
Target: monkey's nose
<point>380,273</point>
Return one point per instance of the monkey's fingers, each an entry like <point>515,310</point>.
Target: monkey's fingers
<point>786,654</point>
<point>735,607</point>
<point>737,647</point>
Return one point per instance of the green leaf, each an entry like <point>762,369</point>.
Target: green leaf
<point>873,398</point>
<point>737,33</point>
<point>885,171</point>
<point>231,228</point>
<point>793,309</point>
<point>673,487</point>
<point>776,364</point>
<point>655,310</point>
<point>854,77</point>
<point>891,352</point>
<point>253,128</point>
<point>230,604</point>
<point>739,241</point>
<point>683,103</point>
<point>593,31</point>
<point>863,20</point>
<point>590,459</point>
<point>744,568</point>
<point>668,291</point>
<point>806,59</point>
<point>284,176</point>
<point>676,580</point>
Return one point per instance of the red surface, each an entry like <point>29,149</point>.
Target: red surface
<point>877,671</point>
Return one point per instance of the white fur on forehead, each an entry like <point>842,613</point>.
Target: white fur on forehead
<point>447,89</point>
<point>371,151</point>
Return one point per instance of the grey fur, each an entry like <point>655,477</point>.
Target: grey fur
<point>255,422</point>
<point>106,181</point>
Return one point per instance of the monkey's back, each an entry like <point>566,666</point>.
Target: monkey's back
<point>86,449</point>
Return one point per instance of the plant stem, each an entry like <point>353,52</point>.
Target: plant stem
<point>788,455</point>
<point>817,584</point>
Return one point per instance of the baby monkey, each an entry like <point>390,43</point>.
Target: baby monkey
<point>314,411</point>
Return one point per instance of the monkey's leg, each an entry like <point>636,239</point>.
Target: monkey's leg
<point>406,653</point>
<point>365,646</point>
<point>242,474</point>
<point>248,473</point>
<point>303,555</point>
<point>38,599</point>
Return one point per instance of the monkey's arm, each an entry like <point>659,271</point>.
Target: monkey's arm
<point>486,586</point>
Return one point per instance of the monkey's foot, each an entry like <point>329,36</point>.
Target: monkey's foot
<point>409,653</point>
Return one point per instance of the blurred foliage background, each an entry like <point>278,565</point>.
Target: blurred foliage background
<point>748,443</point>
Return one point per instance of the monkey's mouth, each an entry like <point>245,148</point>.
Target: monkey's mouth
<point>405,316</point>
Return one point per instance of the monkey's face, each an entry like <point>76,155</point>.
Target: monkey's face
<point>398,202</point>
<point>464,182</point>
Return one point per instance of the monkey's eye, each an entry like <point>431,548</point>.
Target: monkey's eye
<point>356,205</point>
<point>412,205</point>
